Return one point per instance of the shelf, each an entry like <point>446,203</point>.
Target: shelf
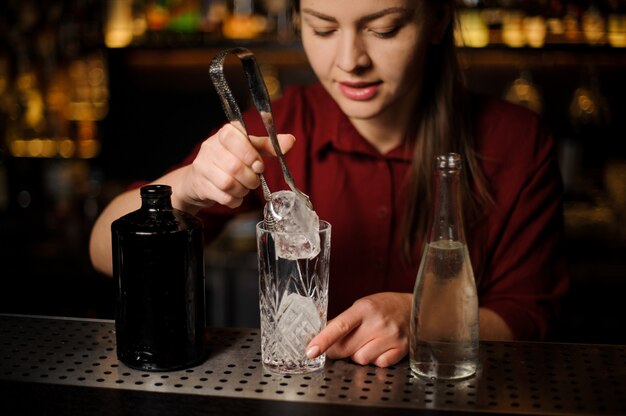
<point>551,56</point>
<point>292,55</point>
<point>161,58</point>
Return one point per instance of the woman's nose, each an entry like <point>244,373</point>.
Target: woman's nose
<point>352,54</point>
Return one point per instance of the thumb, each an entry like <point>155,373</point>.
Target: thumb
<point>264,144</point>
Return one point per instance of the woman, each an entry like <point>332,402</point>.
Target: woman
<point>361,146</point>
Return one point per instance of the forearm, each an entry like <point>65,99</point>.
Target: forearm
<point>100,240</point>
<point>100,249</point>
<point>493,327</point>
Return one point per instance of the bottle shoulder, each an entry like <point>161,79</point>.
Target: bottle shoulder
<point>154,221</point>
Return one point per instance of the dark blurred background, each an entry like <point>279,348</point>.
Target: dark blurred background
<point>98,94</point>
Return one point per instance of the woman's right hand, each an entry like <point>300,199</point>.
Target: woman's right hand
<point>225,169</point>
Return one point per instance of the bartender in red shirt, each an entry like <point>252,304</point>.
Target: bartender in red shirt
<point>362,144</point>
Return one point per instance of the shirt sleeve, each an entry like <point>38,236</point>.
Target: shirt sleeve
<point>526,272</point>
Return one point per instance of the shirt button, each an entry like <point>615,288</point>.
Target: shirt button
<point>382,212</point>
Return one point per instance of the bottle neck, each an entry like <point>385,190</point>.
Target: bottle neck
<point>447,213</point>
<point>156,197</point>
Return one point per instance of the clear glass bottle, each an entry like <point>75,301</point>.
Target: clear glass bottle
<point>444,316</point>
<point>159,266</point>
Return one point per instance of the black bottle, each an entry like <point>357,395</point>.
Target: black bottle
<point>159,266</point>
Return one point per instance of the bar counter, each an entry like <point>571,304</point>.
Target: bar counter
<point>57,366</point>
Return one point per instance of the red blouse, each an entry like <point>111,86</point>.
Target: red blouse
<point>517,251</point>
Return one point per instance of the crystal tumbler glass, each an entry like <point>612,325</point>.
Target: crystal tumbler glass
<point>293,297</point>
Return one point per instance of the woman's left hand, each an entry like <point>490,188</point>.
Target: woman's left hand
<point>374,330</point>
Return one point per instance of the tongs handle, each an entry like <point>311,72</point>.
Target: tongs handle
<point>261,100</point>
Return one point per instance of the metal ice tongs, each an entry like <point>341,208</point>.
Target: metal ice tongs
<point>261,100</point>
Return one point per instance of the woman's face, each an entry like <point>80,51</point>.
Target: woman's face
<point>368,54</point>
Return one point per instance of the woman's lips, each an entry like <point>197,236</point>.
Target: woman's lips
<point>359,91</point>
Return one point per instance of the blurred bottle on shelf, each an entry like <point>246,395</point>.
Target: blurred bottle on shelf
<point>524,92</point>
<point>571,24</point>
<point>593,26</point>
<point>60,119</point>
<point>513,28</point>
<point>535,30</point>
<point>514,23</point>
<point>553,13</point>
<point>616,24</point>
<point>157,14</point>
<point>214,13</point>
<point>589,117</point>
<point>279,20</point>
<point>588,105</point>
<point>227,19</point>
<point>244,22</point>
<point>27,123</point>
<point>533,23</point>
<point>472,30</point>
<point>118,31</point>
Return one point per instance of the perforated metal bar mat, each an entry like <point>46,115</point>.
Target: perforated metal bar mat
<point>514,377</point>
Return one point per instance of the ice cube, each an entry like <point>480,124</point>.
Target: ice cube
<point>298,322</point>
<point>297,227</point>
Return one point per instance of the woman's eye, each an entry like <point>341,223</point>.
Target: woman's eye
<point>385,33</point>
<point>323,33</point>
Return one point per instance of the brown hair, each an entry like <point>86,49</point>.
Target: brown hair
<point>444,125</point>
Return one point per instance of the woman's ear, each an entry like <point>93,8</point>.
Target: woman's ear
<point>443,17</point>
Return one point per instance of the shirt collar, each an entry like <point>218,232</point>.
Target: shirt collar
<point>342,136</point>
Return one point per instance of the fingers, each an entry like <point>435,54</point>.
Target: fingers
<point>336,329</point>
<point>390,357</point>
<point>228,165</point>
<point>374,330</point>
<point>264,144</point>
<point>378,352</point>
<point>249,151</point>
<point>222,171</point>
<point>364,347</point>
<point>239,147</point>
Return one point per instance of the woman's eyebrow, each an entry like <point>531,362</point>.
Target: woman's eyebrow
<point>319,15</point>
<point>364,19</point>
<point>390,10</point>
